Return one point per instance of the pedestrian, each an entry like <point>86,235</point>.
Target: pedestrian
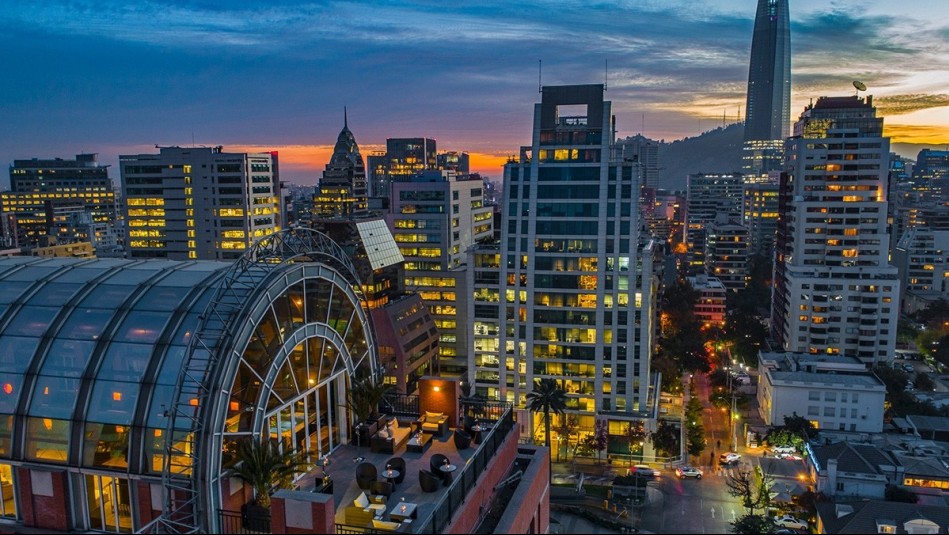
<point>718,444</point>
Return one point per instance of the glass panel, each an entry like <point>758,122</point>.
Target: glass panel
<point>297,361</point>
<point>54,396</point>
<point>9,291</point>
<point>284,385</point>
<point>54,292</point>
<point>295,294</point>
<point>171,366</point>
<point>106,445</point>
<point>154,450</point>
<point>109,503</point>
<point>142,327</point>
<point>269,333</point>
<point>186,278</point>
<point>6,432</point>
<point>85,323</point>
<point>81,275</point>
<point>67,358</point>
<point>341,312</point>
<point>10,387</point>
<point>16,353</point>
<point>31,274</point>
<point>356,338</point>
<point>317,300</point>
<point>281,307</point>
<point>125,362</point>
<point>188,326</point>
<point>31,321</point>
<point>246,388</point>
<point>133,276</point>
<point>7,503</point>
<point>47,439</point>
<point>256,354</point>
<point>162,298</point>
<point>113,402</point>
<point>108,296</point>
<point>160,403</point>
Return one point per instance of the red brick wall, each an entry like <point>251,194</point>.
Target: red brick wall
<point>44,512</point>
<point>145,512</point>
<point>481,495</point>
<point>323,514</point>
<point>444,401</point>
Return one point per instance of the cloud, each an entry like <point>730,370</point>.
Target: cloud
<point>900,104</point>
<point>916,134</point>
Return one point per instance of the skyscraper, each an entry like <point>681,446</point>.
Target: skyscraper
<point>342,191</point>
<point>834,289</point>
<point>575,298</point>
<point>768,107</point>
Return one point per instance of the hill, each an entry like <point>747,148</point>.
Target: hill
<point>715,151</point>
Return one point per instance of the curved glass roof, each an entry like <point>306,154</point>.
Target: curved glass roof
<point>92,342</point>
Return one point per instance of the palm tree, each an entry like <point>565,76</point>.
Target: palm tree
<point>546,397</point>
<point>263,466</point>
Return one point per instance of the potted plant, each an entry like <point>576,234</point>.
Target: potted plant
<point>265,466</point>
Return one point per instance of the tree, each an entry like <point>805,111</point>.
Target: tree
<point>752,487</point>
<point>601,437</point>
<point>666,439</point>
<point>924,383</point>
<point>801,426</point>
<point>264,465</point>
<point>694,430</point>
<point>364,396</point>
<point>753,524</point>
<point>566,427</point>
<point>546,397</point>
<point>634,433</point>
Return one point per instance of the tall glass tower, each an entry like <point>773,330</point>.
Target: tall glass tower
<point>769,88</point>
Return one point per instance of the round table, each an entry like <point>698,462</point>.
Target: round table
<point>391,475</point>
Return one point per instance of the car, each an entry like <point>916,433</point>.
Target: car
<point>643,470</point>
<point>777,450</point>
<point>788,521</point>
<point>908,368</point>
<point>688,471</point>
<point>729,458</point>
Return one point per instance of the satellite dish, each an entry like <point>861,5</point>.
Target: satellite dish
<point>860,85</point>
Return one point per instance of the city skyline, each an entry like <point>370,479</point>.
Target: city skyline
<point>116,79</point>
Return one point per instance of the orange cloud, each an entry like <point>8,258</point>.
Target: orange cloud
<point>921,134</point>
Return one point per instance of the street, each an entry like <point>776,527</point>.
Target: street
<point>696,505</point>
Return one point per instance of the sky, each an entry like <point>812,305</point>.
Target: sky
<point>115,77</point>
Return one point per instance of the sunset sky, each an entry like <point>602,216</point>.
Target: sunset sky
<point>119,77</point>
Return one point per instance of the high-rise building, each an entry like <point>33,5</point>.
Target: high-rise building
<point>199,202</point>
<point>834,289</point>
<point>768,106</point>
<point>576,301</point>
<point>434,219</point>
<point>708,195</point>
<point>922,257</point>
<point>454,161</point>
<point>645,151</point>
<point>759,212</point>
<point>342,191</point>
<point>726,252</point>
<point>42,189</point>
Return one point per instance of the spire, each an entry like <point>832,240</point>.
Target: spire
<point>345,119</point>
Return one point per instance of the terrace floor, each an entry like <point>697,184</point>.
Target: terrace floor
<point>342,469</point>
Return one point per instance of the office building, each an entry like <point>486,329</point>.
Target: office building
<point>435,218</point>
<point>342,191</point>
<point>40,190</point>
<point>922,258</point>
<point>709,309</point>
<point>707,196</point>
<point>759,213</point>
<point>576,301</point>
<point>645,151</point>
<point>834,289</point>
<point>833,392</point>
<point>768,104</point>
<point>453,161</point>
<point>726,252</point>
<point>199,202</point>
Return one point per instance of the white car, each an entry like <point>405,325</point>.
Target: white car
<point>778,450</point>
<point>788,521</point>
<point>688,471</point>
<point>729,458</point>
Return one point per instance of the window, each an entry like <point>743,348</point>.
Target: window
<point>830,396</point>
<point>829,411</point>
<point>813,410</point>
<point>813,395</point>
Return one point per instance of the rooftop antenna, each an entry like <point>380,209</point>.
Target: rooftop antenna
<point>860,86</point>
<point>606,73</point>
<point>642,127</point>
<point>540,87</point>
<point>345,118</point>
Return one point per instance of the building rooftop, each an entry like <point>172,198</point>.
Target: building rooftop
<point>870,515</point>
<point>825,379</point>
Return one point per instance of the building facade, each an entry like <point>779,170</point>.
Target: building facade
<point>199,203</point>
<point>833,392</point>
<point>41,190</point>
<point>759,212</point>
<point>576,301</point>
<point>435,218</point>
<point>343,191</point>
<point>707,196</point>
<point>726,252</point>
<point>834,289</point>
<point>710,307</point>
